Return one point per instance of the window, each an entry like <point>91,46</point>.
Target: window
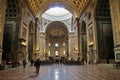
<point>48,53</point>
<point>56,45</point>
<point>49,44</point>
<point>56,53</point>
<point>64,52</point>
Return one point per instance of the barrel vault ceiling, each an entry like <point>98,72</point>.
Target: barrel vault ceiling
<point>74,6</point>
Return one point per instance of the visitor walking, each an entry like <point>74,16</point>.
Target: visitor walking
<point>24,63</point>
<point>37,65</point>
<point>31,62</point>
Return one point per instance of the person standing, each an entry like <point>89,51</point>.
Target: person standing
<point>31,62</point>
<point>37,65</point>
<point>24,63</point>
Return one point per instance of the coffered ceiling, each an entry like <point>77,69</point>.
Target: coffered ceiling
<point>74,6</point>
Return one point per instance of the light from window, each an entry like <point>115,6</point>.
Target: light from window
<point>56,45</point>
<point>48,53</point>
<point>56,53</point>
<point>64,52</point>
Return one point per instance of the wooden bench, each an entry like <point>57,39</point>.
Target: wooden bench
<point>116,65</point>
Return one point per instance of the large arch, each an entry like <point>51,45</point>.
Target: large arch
<point>52,22</point>
<point>75,6</point>
<point>57,33</point>
<point>58,3</point>
<point>67,26</point>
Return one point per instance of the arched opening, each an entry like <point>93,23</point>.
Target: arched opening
<point>56,40</point>
<point>84,40</point>
<point>57,14</point>
<point>59,3</point>
<point>51,15</point>
<point>56,22</point>
<point>104,31</point>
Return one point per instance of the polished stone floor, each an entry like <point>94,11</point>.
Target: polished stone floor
<point>61,72</point>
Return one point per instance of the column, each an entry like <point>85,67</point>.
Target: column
<point>115,15</point>
<point>72,43</point>
<point>42,45</point>
<point>78,33</point>
<point>36,39</point>
<point>2,19</point>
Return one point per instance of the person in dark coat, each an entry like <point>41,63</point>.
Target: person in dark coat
<point>24,63</point>
<point>37,65</point>
<point>31,62</point>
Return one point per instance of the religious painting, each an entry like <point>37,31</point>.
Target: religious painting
<point>90,34</point>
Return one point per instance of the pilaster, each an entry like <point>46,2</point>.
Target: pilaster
<point>42,44</point>
<point>115,13</point>
<point>78,33</point>
<point>2,18</point>
<point>0,55</point>
<point>72,45</point>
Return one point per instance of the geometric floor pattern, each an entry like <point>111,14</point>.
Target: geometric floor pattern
<point>61,72</point>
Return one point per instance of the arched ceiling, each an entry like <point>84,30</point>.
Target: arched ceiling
<point>57,14</point>
<point>56,31</point>
<point>74,6</point>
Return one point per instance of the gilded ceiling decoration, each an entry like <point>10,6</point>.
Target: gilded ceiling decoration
<point>74,6</point>
<point>57,33</point>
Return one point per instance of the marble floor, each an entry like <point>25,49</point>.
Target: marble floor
<point>61,72</point>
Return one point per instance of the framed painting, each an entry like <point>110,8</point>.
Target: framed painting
<point>90,34</point>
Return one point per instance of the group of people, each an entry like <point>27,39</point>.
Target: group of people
<point>36,63</point>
